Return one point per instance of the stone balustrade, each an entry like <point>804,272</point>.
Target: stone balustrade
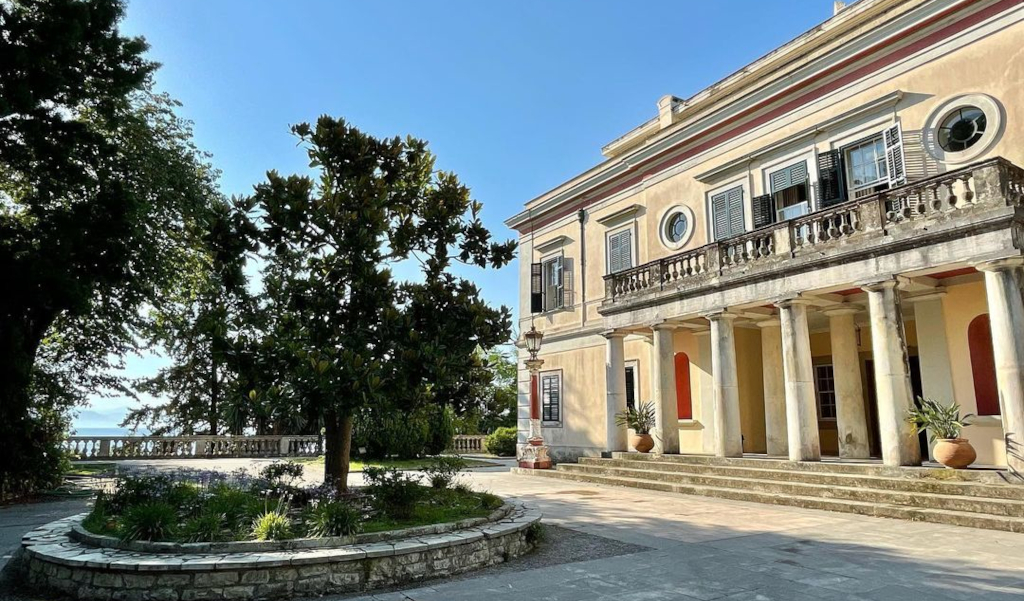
<point>192,447</point>
<point>864,226</point>
<point>468,443</point>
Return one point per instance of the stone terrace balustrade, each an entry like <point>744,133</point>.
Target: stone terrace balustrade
<point>889,221</point>
<point>192,447</point>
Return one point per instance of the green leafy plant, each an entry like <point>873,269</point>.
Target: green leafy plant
<point>444,471</point>
<point>640,419</point>
<point>279,471</point>
<point>490,501</point>
<point>272,525</point>
<point>944,421</point>
<point>502,442</point>
<point>336,518</point>
<point>151,521</point>
<point>393,493</point>
<point>203,528</point>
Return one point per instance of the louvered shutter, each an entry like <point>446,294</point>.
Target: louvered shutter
<point>558,284</point>
<point>894,155</point>
<point>720,212</point>
<point>736,211</point>
<point>550,399</point>
<point>536,288</point>
<point>567,282</point>
<point>620,251</point>
<point>614,254</point>
<point>626,248</point>
<point>764,210</point>
<point>831,188</point>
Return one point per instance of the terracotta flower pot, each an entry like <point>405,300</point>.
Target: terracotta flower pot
<point>643,443</point>
<point>955,453</point>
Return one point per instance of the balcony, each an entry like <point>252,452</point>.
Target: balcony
<point>981,197</point>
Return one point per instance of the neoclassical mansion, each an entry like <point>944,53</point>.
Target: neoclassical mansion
<point>784,261</point>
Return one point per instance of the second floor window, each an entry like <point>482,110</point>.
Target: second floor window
<point>727,209</point>
<point>554,290</point>
<point>620,251</point>
<point>866,169</point>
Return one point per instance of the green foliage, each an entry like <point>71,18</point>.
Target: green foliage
<point>440,429</point>
<point>502,442</point>
<point>206,527</point>
<point>238,507</point>
<point>490,502</point>
<point>336,518</point>
<point>640,419</point>
<point>444,470</point>
<point>393,493</point>
<point>283,472</point>
<point>151,521</point>
<point>492,404</point>
<point>944,421</point>
<point>272,525</point>
<point>534,533</point>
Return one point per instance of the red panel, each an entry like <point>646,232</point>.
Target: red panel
<point>684,404</point>
<point>953,273</point>
<point>849,292</point>
<point>983,365</point>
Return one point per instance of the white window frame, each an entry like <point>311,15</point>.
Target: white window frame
<point>818,391</point>
<point>633,254</point>
<point>737,182</point>
<point>846,149</point>
<point>634,364</point>
<point>809,157</point>
<point>556,256</point>
<point>557,374</point>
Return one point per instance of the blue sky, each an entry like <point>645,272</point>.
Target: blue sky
<point>513,96</point>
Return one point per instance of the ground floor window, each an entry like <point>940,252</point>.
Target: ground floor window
<point>825,385</point>
<point>551,396</point>
<point>631,387</point>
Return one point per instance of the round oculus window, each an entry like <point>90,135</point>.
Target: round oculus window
<point>962,128</point>
<point>676,228</point>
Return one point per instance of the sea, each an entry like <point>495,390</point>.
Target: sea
<point>107,432</point>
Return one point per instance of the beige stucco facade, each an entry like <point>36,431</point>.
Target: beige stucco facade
<point>931,233</point>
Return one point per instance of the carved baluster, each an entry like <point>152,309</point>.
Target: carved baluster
<point>952,199</point>
<point>968,193</point>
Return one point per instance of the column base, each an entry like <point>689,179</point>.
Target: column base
<point>535,457</point>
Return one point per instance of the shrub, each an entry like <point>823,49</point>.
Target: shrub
<point>383,434</point>
<point>202,528</point>
<point>131,490</point>
<point>151,520</point>
<point>393,493</point>
<point>490,502</point>
<point>333,519</point>
<point>443,471</point>
<point>272,525</point>
<point>278,471</point>
<point>237,507</point>
<point>186,497</point>
<point>502,442</point>
<point>441,429</point>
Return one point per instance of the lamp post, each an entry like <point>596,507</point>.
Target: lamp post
<point>535,454</point>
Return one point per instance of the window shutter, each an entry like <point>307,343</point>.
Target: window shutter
<point>894,155</point>
<point>536,288</point>
<point>831,188</point>
<point>620,251</point>
<point>764,210</point>
<point>780,180</point>
<point>550,399</point>
<point>720,212</point>
<point>736,226</point>
<point>626,248</point>
<point>558,300</point>
<point>567,281</point>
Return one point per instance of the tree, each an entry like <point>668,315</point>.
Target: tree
<point>101,189</point>
<point>359,337</point>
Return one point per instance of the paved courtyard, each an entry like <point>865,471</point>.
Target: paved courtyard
<point>700,548</point>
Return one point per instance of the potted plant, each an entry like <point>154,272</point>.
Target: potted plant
<point>945,424</point>
<point>641,421</point>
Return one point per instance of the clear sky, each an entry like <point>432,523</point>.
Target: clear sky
<point>515,96</point>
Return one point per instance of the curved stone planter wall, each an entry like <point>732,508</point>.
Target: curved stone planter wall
<point>53,561</point>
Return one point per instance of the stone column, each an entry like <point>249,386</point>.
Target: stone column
<point>851,415</point>
<point>774,387</point>
<point>801,406</point>
<point>615,383</point>
<point>706,386</point>
<point>535,454</point>
<point>1003,282</point>
<point>933,347</point>
<point>894,394</point>
<point>663,389</point>
<point>726,391</point>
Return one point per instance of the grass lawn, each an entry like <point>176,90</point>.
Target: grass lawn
<point>401,464</point>
<point>92,468</point>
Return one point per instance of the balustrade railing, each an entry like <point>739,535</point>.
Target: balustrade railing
<point>994,182</point>
<point>468,443</point>
<point>192,447</point>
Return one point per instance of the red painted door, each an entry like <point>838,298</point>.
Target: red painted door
<point>684,404</point>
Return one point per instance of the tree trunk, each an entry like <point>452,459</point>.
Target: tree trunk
<point>338,450</point>
<point>214,393</point>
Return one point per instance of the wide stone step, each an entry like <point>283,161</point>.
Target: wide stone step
<point>940,516</point>
<point>918,485</point>
<point>992,476</point>
<point>997,507</point>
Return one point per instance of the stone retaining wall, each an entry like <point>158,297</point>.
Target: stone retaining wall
<point>53,561</point>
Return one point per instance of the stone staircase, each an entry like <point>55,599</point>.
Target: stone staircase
<point>973,498</point>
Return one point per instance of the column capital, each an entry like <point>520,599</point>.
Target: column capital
<point>720,315</point>
<point>773,322</point>
<point>840,311</point>
<point>614,334</point>
<point>664,325</point>
<point>534,365</point>
<point>877,285</point>
<point>1003,264</point>
<point>791,301</point>
<point>931,295</point>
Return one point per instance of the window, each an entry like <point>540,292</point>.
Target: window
<point>631,387</point>
<point>620,251</point>
<point>676,226</point>
<point>825,384</point>
<point>962,128</point>
<point>789,191</point>
<point>553,290</point>
<point>551,284</point>
<point>727,209</point>
<point>865,164</point>
<point>551,397</point>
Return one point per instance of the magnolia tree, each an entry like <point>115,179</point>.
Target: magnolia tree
<point>358,337</point>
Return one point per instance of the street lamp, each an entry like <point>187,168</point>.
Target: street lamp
<point>535,454</point>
